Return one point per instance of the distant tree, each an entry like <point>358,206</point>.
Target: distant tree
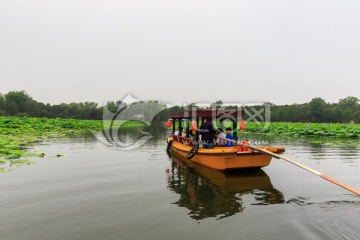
<point>39,110</point>
<point>12,108</point>
<point>317,106</point>
<point>190,106</point>
<point>349,101</point>
<point>120,104</point>
<point>18,102</point>
<point>332,114</point>
<point>217,104</point>
<point>2,104</point>
<point>55,110</point>
<point>348,107</point>
<point>112,106</point>
<point>357,114</point>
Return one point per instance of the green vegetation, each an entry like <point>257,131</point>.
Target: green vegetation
<point>328,130</point>
<point>318,111</point>
<point>17,133</point>
<point>19,103</point>
<point>307,129</point>
<point>18,130</point>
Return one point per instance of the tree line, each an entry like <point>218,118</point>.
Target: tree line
<point>346,110</point>
<point>19,103</point>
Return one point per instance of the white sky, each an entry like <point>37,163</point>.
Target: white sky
<point>181,51</point>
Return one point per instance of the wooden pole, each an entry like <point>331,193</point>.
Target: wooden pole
<point>347,187</point>
<point>197,130</point>
<point>173,125</point>
<point>235,129</point>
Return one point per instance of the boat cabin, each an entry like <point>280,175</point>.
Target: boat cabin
<point>191,118</point>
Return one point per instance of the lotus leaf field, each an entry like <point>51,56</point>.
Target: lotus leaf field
<point>335,130</point>
<point>18,133</point>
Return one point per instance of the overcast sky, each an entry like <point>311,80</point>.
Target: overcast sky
<point>181,51</point>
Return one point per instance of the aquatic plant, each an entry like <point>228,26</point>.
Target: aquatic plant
<point>18,133</point>
<point>307,129</point>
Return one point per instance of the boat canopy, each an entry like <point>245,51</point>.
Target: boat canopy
<point>207,113</point>
<point>214,114</point>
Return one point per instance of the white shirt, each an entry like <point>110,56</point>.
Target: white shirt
<point>220,141</point>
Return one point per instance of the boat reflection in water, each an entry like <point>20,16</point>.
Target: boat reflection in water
<point>211,193</point>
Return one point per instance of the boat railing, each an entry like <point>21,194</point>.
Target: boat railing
<point>184,140</point>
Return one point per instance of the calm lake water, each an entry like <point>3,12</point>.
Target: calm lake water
<point>100,192</point>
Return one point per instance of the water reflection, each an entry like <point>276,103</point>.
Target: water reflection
<point>211,193</point>
<point>131,134</point>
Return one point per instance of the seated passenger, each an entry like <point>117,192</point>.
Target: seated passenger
<point>221,142</point>
<point>191,134</point>
<point>183,133</point>
<point>177,131</point>
<point>229,136</point>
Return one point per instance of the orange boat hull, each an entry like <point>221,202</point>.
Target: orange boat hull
<point>225,158</point>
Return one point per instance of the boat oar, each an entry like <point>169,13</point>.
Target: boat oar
<point>349,188</point>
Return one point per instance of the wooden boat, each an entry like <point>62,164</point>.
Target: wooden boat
<point>221,158</point>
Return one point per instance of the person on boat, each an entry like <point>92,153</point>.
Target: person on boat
<point>229,136</point>
<point>177,131</point>
<point>183,133</point>
<point>242,125</point>
<point>207,133</point>
<point>191,134</point>
<point>220,142</point>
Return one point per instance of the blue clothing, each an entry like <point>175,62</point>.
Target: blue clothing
<point>208,145</point>
<point>229,144</point>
